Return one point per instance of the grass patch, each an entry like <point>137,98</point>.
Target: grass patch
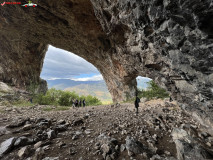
<point>6,103</point>
<point>1,111</point>
<point>62,108</point>
<point>48,109</point>
<point>129,101</point>
<point>59,108</point>
<point>23,103</point>
<point>107,102</point>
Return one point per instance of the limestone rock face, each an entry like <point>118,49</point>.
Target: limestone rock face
<point>4,88</point>
<point>166,40</point>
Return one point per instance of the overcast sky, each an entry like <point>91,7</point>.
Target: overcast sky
<point>60,64</point>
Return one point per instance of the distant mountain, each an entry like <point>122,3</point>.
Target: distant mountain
<point>61,84</point>
<point>94,88</point>
<point>98,89</point>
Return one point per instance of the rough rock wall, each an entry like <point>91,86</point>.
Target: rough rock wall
<point>167,40</point>
<point>68,24</point>
<point>21,64</point>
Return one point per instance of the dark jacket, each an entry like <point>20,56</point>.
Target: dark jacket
<point>137,101</point>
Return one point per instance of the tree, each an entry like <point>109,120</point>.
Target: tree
<point>153,91</point>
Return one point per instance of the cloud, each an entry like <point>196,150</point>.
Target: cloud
<point>60,64</point>
<point>139,78</point>
<point>94,78</point>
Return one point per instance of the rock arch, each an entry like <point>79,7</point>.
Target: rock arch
<point>167,41</point>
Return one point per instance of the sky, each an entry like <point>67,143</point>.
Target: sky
<point>61,64</point>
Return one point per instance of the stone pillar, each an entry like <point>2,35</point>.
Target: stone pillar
<point>121,83</point>
<point>121,90</point>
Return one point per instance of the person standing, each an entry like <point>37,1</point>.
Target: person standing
<point>31,100</point>
<point>84,103</point>
<point>79,103</point>
<point>73,103</point>
<point>76,103</point>
<point>170,99</point>
<point>137,101</point>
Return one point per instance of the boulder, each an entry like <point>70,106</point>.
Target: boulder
<point>4,88</point>
<point>188,148</point>
<point>51,158</point>
<point>6,146</point>
<point>17,123</point>
<point>27,127</point>
<point>143,100</point>
<point>39,153</point>
<point>24,152</point>
<point>61,121</point>
<point>23,141</point>
<point>108,146</point>
<point>51,134</point>
<point>61,128</point>
<point>37,145</point>
<point>133,145</point>
<point>122,148</point>
<point>78,122</point>
<point>3,131</point>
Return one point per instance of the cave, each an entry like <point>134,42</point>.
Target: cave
<point>165,41</point>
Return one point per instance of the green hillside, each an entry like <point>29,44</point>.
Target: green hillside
<point>98,90</point>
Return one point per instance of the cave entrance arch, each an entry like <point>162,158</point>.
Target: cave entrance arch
<point>74,27</point>
<point>121,39</point>
<point>64,70</point>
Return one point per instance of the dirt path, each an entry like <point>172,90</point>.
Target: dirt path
<point>79,140</point>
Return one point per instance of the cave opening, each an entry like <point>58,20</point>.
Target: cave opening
<point>149,90</point>
<point>142,82</point>
<point>66,71</point>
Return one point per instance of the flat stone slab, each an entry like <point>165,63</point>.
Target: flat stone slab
<point>6,146</point>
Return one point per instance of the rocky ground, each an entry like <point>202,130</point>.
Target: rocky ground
<point>161,130</point>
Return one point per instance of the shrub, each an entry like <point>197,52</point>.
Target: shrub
<point>63,98</point>
<point>44,99</point>
<point>22,103</point>
<point>90,100</point>
<point>154,91</point>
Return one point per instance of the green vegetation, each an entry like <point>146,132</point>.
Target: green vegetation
<point>32,87</point>
<point>6,103</point>
<point>153,91</point>
<point>22,103</point>
<point>109,102</point>
<point>48,109</point>
<point>1,111</point>
<point>63,98</point>
<point>59,108</point>
<point>130,100</point>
